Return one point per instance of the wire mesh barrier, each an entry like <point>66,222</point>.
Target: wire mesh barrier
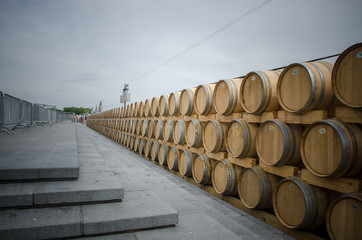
<point>17,113</point>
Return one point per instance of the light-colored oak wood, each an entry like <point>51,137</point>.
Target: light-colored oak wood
<point>243,162</point>
<point>349,115</point>
<point>240,139</point>
<point>191,117</point>
<point>199,150</point>
<point>147,108</point>
<point>154,107</point>
<point>172,158</point>
<point>202,169</point>
<point>220,156</point>
<point>255,188</point>
<point>258,92</point>
<point>308,117</point>
<point>306,86</point>
<point>282,171</point>
<point>228,118</point>
<point>347,75</point>
<point>344,185</point>
<point>193,133</point>
<point>260,118</point>
<point>213,136</point>
<point>187,107</point>
<point>206,118</point>
<point>179,131</point>
<point>168,130</point>
<point>300,205</point>
<point>344,217</point>
<point>226,96</point>
<point>174,104</point>
<point>155,146</point>
<point>224,177</point>
<point>163,153</point>
<point>203,99</point>
<point>159,129</point>
<point>185,162</point>
<point>141,146</point>
<point>163,105</point>
<point>331,148</point>
<point>147,148</point>
<point>278,143</point>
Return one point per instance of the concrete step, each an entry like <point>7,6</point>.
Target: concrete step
<point>42,153</point>
<point>139,210</point>
<point>89,188</point>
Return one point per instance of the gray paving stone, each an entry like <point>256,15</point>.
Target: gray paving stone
<point>16,194</point>
<point>139,210</point>
<point>40,223</point>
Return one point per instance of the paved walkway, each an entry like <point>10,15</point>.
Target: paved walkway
<point>201,215</point>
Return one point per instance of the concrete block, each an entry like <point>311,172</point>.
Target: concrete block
<point>16,194</point>
<point>139,210</point>
<point>40,223</point>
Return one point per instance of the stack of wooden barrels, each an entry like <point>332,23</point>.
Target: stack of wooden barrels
<point>288,141</point>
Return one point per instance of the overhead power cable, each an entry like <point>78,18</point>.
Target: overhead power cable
<point>223,28</point>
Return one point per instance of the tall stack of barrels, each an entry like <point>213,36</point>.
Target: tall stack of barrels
<point>288,141</point>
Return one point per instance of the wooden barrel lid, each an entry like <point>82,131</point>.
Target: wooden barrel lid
<point>222,97</point>
<point>347,75</point>
<point>158,129</point>
<point>253,92</point>
<point>224,177</point>
<point>344,217</point>
<point>179,132</point>
<point>193,133</point>
<point>202,169</point>
<point>154,150</point>
<point>147,108</point>
<point>249,188</point>
<point>174,104</point>
<point>163,105</point>
<point>154,106</point>
<point>141,146</point>
<point>187,101</point>
<point>238,138</point>
<point>168,130</point>
<point>172,158</point>
<point>144,128</point>
<point>270,142</point>
<point>203,99</point>
<point>162,154</point>
<point>213,136</point>
<point>185,162</point>
<point>147,148</point>
<point>151,128</point>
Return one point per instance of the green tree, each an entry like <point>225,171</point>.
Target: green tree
<point>77,110</point>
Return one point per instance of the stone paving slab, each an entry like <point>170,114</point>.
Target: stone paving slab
<point>139,210</point>
<point>42,153</point>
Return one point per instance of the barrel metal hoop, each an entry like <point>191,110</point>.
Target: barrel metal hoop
<point>209,100</point>
<point>205,167</point>
<point>286,139</point>
<point>264,102</point>
<point>229,176</point>
<point>309,206</point>
<point>197,136</point>
<point>323,86</point>
<point>246,130</point>
<point>313,88</point>
<point>263,187</point>
<point>190,106</point>
<point>346,150</point>
<point>231,105</point>
<point>189,163</point>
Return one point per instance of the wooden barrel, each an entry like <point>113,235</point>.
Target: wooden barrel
<point>154,106</point>
<point>226,96</point>
<point>130,142</point>
<point>202,169</point>
<point>151,128</point>
<point>258,92</point>
<point>134,126</point>
<point>172,158</point>
<point>121,112</point>
<point>155,146</point>
<point>344,217</point>
<point>147,148</point>
<point>194,133</point>
<point>125,137</point>
<point>255,188</point>
<point>159,129</point>
<point>187,101</point>
<point>139,126</point>
<point>174,104</point>
<point>305,86</point>
<point>136,144</point>
<point>144,128</point>
<point>130,110</point>
<point>147,108</point>
<point>240,139</point>
<point>162,154</point>
<point>224,178</point>
<point>278,143</point>
<point>137,109</point>
<point>331,148</point>
<point>347,75</point>
<point>141,146</point>
<point>203,99</point>
<point>185,162</point>
<point>179,129</point>
<point>168,130</point>
<point>141,109</point>
<point>163,105</point>
<point>213,136</point>
<point>299,205</point>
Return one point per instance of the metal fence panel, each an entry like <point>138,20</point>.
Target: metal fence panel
<point>12,109</point>
<point>27,111</point>
<point>1,109</point>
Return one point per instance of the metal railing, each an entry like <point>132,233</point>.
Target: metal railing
<point>17,113</point>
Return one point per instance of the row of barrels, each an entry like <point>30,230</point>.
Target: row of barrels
<point>167,131</point>
<point>296,203</point>
<point>300,87</point>
<point>327,148</point>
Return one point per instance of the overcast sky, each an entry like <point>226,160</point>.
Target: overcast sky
<point>76,53</point>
